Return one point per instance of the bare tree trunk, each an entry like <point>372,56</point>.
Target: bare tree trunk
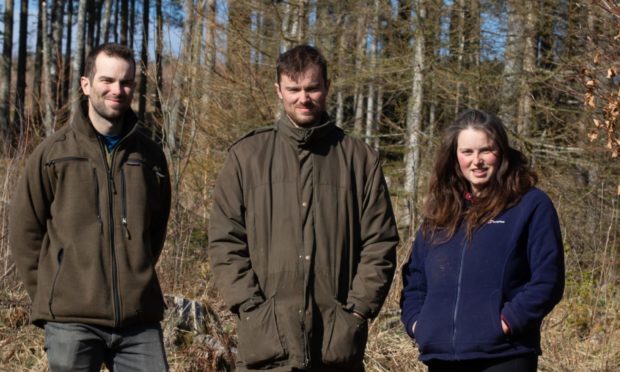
<point>38,67</point>
<point>258,21</point>
<point>78,61</point>
<point>370,108</point>
<point>342,52</point>
<point>197,36</point>
<point>56,54</point>
<point>6,63</point>
<point>414,116</point>
<point>210,50</point>
<point>513,64</point>
<point>99,13</point>
<point>459,10</point>
<point>357,89</point>
<point>132,21</point>
<point>378,118</point>
<point>433,44</point>
<point>526,104</point>
<point>290,25</point>
<point>66,83</point>
<point>284,27</point>
<point>144,59</point>
<point>210,36</point>
<point>48,95</point>
<point>301,21</point>
<point>91,20</point>
<point>188,29</point>
<point>20,88</point>
<point>107,13</point>
<point>159,50</point>
<point>473,51</point>
<point>124,21</point>
<point>117,11</point>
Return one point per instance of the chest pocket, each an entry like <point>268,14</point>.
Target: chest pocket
<point>140,190</point>
<point>76,189</point>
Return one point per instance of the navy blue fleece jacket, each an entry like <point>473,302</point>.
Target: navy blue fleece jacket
<point>457,291</point>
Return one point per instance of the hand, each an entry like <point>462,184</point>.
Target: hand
<point>505,327</point>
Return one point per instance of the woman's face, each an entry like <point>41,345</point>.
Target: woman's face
<point>477,156</point>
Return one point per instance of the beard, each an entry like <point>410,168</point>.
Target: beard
<point>108,113</point>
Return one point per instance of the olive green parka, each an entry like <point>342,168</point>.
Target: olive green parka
<point>86,227</point>
<point>302,234</point>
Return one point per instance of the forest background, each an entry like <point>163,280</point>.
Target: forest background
<point>401,70</point>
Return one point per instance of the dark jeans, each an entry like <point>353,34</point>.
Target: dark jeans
<point>519,363</point>
<point>83,347</point>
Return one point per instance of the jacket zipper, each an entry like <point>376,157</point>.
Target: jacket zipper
<point>124,205</point>
<point>98,201</point>
<point>51,300</point>
<point>111,192</point>
<point>458,295</point>
<point>66,158</point>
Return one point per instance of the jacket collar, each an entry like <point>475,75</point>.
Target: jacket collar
<point>304,136</point>
<point>81,123</point>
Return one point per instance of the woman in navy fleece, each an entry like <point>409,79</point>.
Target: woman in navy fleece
<point>487,264</point>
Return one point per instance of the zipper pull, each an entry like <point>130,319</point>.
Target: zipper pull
<point>127,234</point>
<point>111,177</point>
<point>158,172</point>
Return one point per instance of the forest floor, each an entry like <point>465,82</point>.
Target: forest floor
<point>576,336</point>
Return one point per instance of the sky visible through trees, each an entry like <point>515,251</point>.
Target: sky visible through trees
<point>400,72</point>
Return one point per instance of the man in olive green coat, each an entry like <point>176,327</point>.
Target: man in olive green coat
<point>87,225</point>
<point>302,233</point>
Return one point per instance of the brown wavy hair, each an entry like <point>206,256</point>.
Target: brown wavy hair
<point>445,206</point>
<point>295,61</point>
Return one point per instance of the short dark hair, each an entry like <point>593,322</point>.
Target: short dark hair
<point>295,61</point>
<point>111,50</point>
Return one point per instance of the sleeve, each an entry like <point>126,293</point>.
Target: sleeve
<point>545,257</point>
<point>379,238</point>
<point>414,286</point>
<point>160,220</point>
<point>28,215</point>
<point>228,247</point>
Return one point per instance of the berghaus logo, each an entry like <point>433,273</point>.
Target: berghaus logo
<point>497,221</point>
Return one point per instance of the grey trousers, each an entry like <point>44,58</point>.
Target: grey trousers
<point>83,347</point>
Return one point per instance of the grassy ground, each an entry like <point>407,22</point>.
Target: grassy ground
<point>578,335</point>
<point>581,334</point>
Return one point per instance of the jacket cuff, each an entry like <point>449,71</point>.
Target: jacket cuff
<point>512,320</point>
<point>360,308</point>
<point>409,328</point>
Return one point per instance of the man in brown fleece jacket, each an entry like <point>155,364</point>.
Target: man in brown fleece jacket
<point>87,225</point>
<point>302,233</point>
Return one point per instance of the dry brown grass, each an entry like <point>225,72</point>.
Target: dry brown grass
<point>581,334</point>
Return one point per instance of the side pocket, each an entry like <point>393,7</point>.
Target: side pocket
<point>258,336</point>
<point>59,262</point>
<point>347,340</point>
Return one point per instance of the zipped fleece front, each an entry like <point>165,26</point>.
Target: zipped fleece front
<point>86,233</point>
<point>301,227</point>
<point>458,290</point>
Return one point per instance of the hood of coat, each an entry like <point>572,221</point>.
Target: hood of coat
<point>305,136</point>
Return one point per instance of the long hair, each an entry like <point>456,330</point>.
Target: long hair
<point>445,207</point>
